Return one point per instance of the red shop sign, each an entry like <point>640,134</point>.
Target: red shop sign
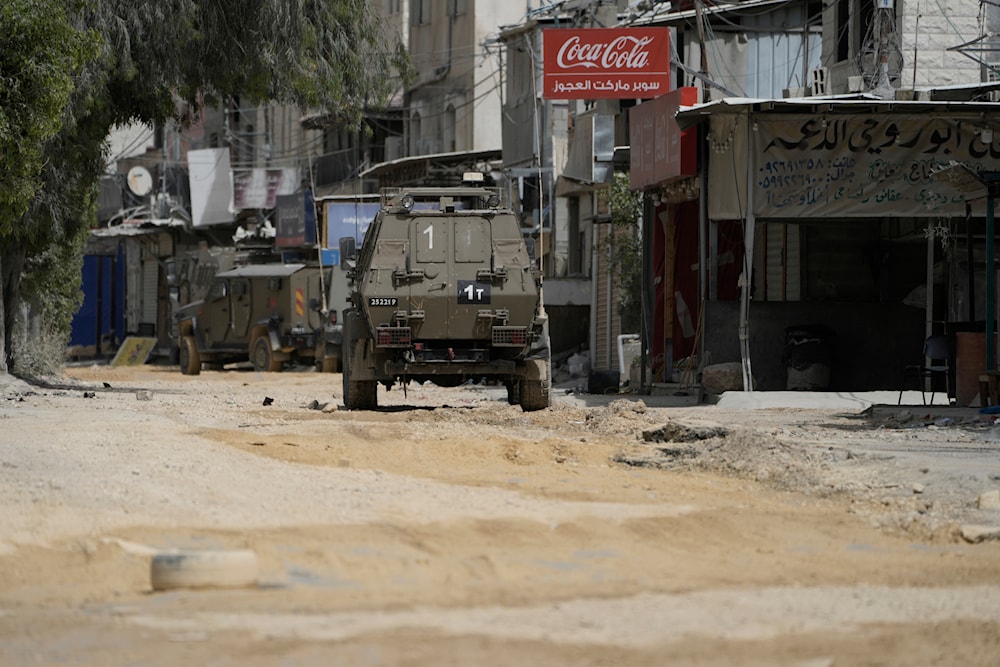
<point>592,63</point>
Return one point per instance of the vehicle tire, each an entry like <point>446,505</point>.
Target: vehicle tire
<point>262,356</point>
<point>358,394</point>
<point>330,363</point>
<point>534,390</point>
<point>188,356</point>
<point>534,395</point>
<point>204,569</point>
<point>513,392</point>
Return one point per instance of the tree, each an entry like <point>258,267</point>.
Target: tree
<point>624,248</point>
<point>43,54</point>
<point>71,70</point>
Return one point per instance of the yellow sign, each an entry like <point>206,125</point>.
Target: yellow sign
<point>134,351</point>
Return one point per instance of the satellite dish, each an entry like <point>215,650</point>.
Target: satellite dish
<point>139,181</point>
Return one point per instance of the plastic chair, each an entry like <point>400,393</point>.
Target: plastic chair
<point>937,363</point>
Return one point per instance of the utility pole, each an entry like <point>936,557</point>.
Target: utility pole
<point>702,38</point>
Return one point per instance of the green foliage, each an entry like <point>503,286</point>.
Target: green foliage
<point>51,285</point>
<point>70,70</point>
<point>42,53</point>
<point>329,55</point>
<point>624,247</point>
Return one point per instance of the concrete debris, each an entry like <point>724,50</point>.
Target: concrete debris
<point>720,378</point>
<point>689,431</point>
<point>990,500</point>
<point>976,534</point>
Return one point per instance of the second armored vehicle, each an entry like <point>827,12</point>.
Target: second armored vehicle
<point>263,313</point>
<point>444,290</point>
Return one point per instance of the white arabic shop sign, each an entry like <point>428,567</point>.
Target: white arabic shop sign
<point>592,63</point>
<point>869,165</point>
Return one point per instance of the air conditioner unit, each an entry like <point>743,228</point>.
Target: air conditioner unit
<point>393,148</point>
<point>820,76</point>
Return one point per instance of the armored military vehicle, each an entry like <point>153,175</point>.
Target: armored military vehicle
<point>444,290</point>
<point>263,313</point>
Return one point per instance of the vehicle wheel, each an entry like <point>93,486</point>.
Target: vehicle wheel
<point>331,363</point>
<point>361,395</point>
<point>358,394</point>
<point>188,356</point>
<point>534,388</point>
<point>513,391</point>
<point>262,356</point>
<point>204,569</point>
<point>534,395</point>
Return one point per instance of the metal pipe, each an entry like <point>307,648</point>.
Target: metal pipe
<point>991,281</point>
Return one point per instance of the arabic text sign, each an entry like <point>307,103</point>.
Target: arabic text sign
<point>592,63</point>
<point>869,165</point>
<point>348,219</point>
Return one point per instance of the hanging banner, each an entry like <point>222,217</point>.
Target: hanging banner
<point>593,63</point>
<point>660,152</point>
<point>348,219</point>
<point>259,188</point>
<point>296,222</point>
<point>864,165</point>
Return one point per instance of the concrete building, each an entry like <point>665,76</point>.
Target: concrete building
<point>454,100</point>
<point>702,272</point>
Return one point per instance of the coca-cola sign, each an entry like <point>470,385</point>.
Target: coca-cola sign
<point>593,63</point>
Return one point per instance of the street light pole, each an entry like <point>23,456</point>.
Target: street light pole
<point>991,179</point>
<point>991,282</point>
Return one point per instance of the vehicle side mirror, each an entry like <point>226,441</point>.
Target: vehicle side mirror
<point>348,252</point>
<point>529,244</point>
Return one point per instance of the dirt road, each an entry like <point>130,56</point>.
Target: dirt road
<point>449,528</point>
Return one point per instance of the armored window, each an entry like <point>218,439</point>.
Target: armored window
<point>390,254</point>
<point>472,240</point>
<point>430,240</point>
<point>216,291</point>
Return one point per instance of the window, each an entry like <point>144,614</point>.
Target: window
<point>449,129</point>
<point>217,291</point>
<point>420,12</point>
<point>415,134</point>
<point>843,27</point>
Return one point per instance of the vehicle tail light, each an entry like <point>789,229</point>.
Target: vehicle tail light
<point>510,336</point>
<point>393,337</point>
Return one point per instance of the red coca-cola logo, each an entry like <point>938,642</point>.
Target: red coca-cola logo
<point>623,52</point>
<point>591,63</point>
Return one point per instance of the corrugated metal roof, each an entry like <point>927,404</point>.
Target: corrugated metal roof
<point>146,227</point>
<point>261,270</point>
<point>668,17</point>
<point>692,115</point>
<point>454,158</point>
